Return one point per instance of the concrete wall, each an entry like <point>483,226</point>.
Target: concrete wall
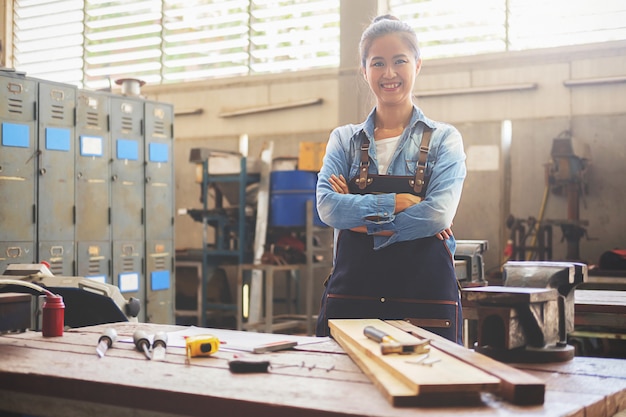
<point>476,94</point>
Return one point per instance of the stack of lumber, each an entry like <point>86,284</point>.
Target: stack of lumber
<point>451,375</point>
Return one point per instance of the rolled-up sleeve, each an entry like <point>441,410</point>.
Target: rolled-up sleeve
<point>346,211</point>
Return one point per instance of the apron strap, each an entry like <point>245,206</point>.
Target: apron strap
<point>418,182</point>
<point>363,181</point>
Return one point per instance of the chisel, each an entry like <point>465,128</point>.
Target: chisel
<point>106,341</point>
<point>158,346</point>
<point>142,343</point>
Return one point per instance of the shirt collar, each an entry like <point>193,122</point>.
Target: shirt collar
<point>369,124</point>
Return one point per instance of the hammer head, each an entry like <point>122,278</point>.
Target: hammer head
<point>388,344</point>
<point>404,348</point>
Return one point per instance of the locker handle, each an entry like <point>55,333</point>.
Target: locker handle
<point>57,95</point>
<point>15,88</point>
<point>56,251</point>
<point>14,252</point>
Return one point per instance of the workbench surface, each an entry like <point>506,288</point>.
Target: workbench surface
<point>63,376</point>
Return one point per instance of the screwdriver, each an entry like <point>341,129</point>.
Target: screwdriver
<point>158,346</point>
<point>106,341</point>
<point>142,343</point>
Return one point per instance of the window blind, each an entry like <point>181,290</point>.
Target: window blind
<point>91,43</point>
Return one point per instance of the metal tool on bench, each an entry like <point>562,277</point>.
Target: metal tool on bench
<point>106,340</point>
<point>390,345</point>
<point>469,262</point>
<point>528,319</point>
<point>87,302</point>
<point>159,344</point>
<point>140,338</point>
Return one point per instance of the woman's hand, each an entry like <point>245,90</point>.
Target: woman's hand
<point>405,200</point>
<point>339,184</point>
<point>445,234</point>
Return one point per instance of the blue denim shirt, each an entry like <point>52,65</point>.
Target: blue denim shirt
<point>445,170</point>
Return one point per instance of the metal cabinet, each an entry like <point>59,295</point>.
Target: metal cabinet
<point>159,212</point>
<point>18,168</point>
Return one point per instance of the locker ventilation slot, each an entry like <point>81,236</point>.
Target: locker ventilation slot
<point>159,128</point>
<point>159,263</point>
<point>128,265</point>
<point>94,267</point>
<point>92,119</point>
<point>57,112</point>
<point>15,105</point>
<point>127,123</point>
<point>56,267</point>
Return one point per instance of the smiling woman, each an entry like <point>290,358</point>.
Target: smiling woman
<point>390,187</point>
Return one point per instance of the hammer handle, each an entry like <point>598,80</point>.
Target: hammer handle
<point>376,334</point>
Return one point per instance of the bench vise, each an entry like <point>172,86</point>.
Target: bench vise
<point>469,263</point>
<point>527,319</point>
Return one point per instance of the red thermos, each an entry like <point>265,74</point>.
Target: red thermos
<point>53,316</point>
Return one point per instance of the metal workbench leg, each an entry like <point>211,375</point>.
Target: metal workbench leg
<point>269,298</point>
<point>239,298</point>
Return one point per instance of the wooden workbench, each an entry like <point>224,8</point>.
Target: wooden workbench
<point>63,376</point>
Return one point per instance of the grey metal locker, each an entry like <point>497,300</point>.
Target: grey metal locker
<point>18,169</point>
<point>93,186</point>
<point>159,211</point>
<point>55,192</point>
<point>127,197</point>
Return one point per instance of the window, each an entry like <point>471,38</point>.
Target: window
<point>459,27</point>
<point>91,43</point>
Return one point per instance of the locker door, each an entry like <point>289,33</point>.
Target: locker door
<point>93,187</point>
<point>127,197</point>
<point>159,212</point>
<point>55,192</point>
<point>18,168</point>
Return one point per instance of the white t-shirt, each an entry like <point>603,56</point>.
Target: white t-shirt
<point>384,151</point>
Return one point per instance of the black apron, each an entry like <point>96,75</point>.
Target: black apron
<point>412,280</point>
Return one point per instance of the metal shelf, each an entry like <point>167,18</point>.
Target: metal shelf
<point>230,226</point>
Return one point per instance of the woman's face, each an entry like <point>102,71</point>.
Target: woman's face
<point>390,70</point>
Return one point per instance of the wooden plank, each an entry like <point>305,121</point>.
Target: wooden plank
<point>395,391</point>
<point>516,386</point>
<point>448,375</point>
<point>392,388</point>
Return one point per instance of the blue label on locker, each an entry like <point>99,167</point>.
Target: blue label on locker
<point>127,149</point>
<point>160,280</point>
<point>57,139</point>
<point>15,135</point>
<point>158,152</point>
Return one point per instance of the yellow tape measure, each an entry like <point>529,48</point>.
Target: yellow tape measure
<point>201,345</point>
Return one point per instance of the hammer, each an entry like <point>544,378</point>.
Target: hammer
<point>390,345</point>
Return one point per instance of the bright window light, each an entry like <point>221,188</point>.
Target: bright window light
<point>90,43</point>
